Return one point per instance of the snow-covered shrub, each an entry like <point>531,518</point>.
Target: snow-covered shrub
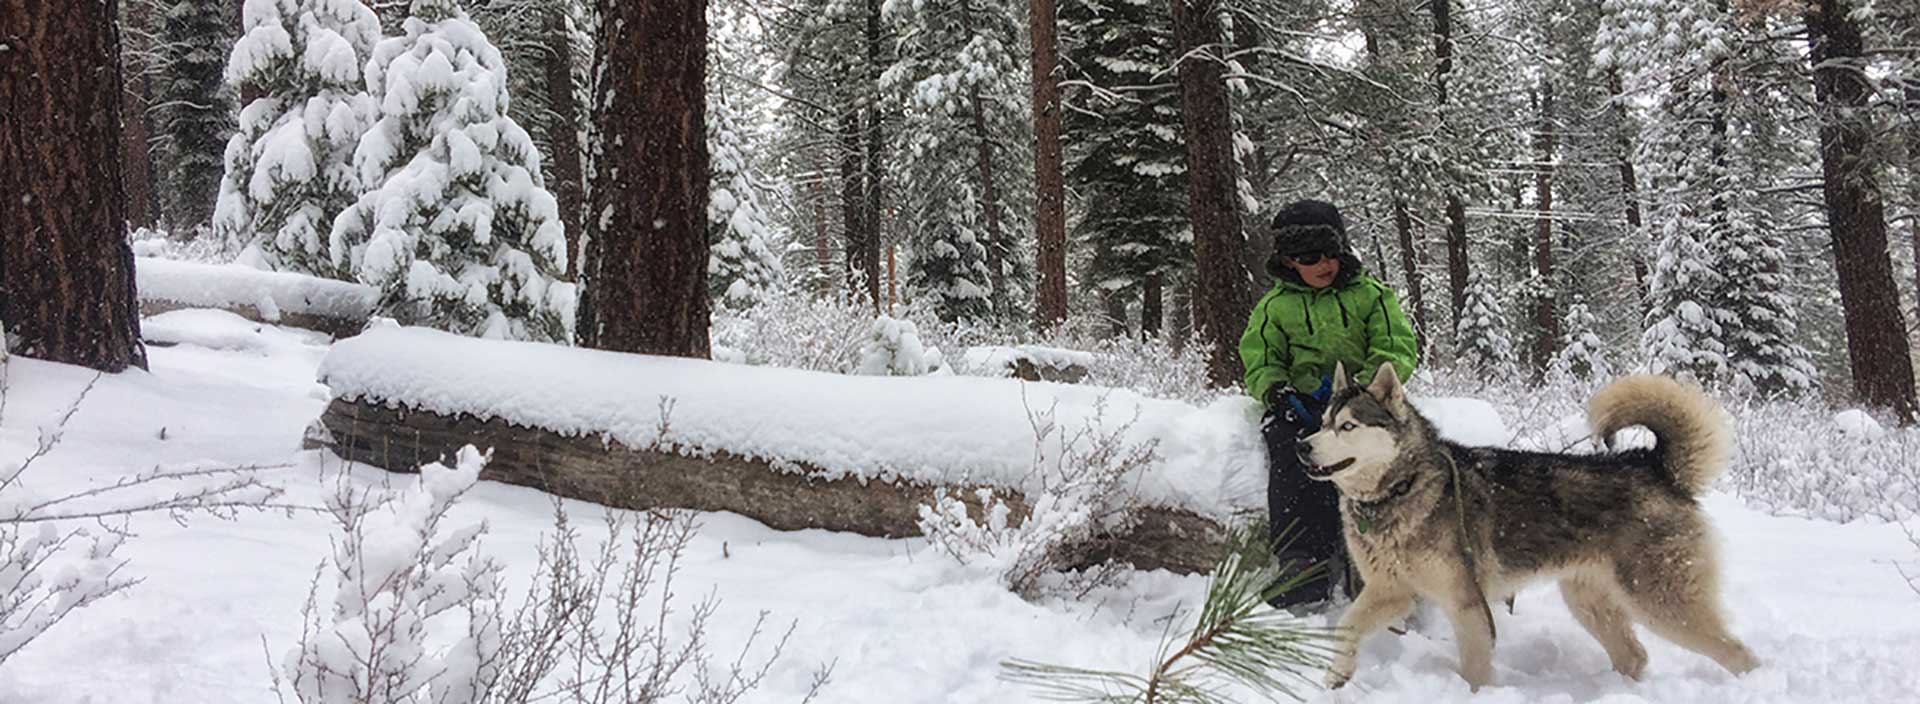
<point>1078,496</point>
<point>458,230</point>
<point>1155,367</point>
<point>160,244</point>
<point>394,574</point>
<point>418,613</point>
<point>796,332</point>
<point>1484,341</point>
<point>289,168</point>
<point>893,349</point>
<point>1798,457</point>
<point>1582,355</point>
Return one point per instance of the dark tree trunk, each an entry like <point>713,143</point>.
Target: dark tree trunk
<point>569,186</point>
<point>1629,187</point>
<point>873,216</point>
<point>1457,270</point>
<point>1546,325</point>
<point>134,136</point>
<point>1219,247</point>
<point>1876,336</point>
<point>1912,93</point>
<point>1050,211</point>
<point>1410,267</point>
<point>989,205</point>
<point>1117,313</point>
<point>646,272</point>
<point>853,229</point>
<point>66,272</point>
<point>1153,308</point>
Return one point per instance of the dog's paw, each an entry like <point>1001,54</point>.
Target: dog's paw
<point>1337,677</point>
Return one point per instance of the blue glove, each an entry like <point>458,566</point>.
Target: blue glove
<point>1309,417</point>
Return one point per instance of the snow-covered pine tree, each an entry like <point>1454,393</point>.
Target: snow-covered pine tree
<point>290,168</point>
<point>743,267</point>
<point>1484,339</point>
<point>1126,158</point>
<point>195,110</point>
<point>1582,354</point>
<point>1766,350</point>
<point>458,231</point>
<point>963,88</point>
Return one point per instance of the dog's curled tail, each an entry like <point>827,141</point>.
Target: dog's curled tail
<point>1692,431</point>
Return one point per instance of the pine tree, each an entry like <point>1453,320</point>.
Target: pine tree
<point>458,230</point>
<point>958,76</point>
<point>1125,157</point>
<point>1484,338</point>
<point>195,110</point>
<point>1582,355</point>
<point>289,170</point>
<point>742,268</point>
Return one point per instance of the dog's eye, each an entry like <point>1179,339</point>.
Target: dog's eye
<point>1347,427</point>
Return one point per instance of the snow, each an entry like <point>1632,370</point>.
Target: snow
<point>1819,602</point>
<point>994,360</point>
<point>230,286</point>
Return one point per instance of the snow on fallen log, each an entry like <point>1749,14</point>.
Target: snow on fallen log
<point>791,448</point>
<point>338,308</point>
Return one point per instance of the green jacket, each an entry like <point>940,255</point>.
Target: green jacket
<point>1296,333</point>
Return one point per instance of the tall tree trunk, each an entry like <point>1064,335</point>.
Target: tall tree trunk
<point>1153,308</point>
<point>1117,313</point>
<point>852,199</point>
<point>1856,215</point>
<point>1050,210</point>
<point>647,271</point>
<point>563,132</point>
<point>1629,186</point>
<point>1219,245</point>
<point>873,217</point>
<point>1912,93</point>
<point>822,252</point>
<point>1410,267</point>
<point>1546,325</point>
<point>66,271</point>
<point>136,144</point>
<point>1456,209</point>
<point>989,205</point>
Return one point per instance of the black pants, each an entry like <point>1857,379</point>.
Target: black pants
<point>1303,515</point>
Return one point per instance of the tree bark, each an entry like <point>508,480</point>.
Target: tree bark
<point>852,201</point>
<point>873,215</point>
<point>1457,268</point>
<point>647,267</point>
<point>1152,304</point>
<point>66,271</point>
<point>1410,267</point>
<point>569,186</point>
<point>989,205</point>
<point>134,135</point>
<point>1629,187</point>
<point>1219,245</point>
<point>1856,216</point>
<point>1050,212</point>
<point>1546,325</point>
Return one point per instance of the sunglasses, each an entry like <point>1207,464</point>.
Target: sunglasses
<point>1309,258</point>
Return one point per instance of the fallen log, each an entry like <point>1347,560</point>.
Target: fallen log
<point>784,495</point>
<point>337,308</point>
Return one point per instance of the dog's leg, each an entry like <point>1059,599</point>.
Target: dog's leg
<point>1678,598</point>
<point>1596,607</point>
<point>1377,605</point>
<point>1473,626</point>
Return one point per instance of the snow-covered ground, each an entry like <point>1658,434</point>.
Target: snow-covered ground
<point>1821,603</point>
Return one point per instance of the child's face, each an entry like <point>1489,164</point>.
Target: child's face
<point>1317,270</point>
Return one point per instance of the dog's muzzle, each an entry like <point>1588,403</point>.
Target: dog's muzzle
<point>1304,452</point>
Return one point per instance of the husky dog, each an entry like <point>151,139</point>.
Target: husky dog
<point>1622,531</point>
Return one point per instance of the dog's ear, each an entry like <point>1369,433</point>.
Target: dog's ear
<point>1386,387</point>
<point>1339,377</point>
